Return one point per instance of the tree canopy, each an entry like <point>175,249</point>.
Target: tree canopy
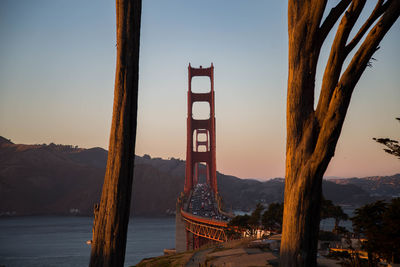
<point>329,210</point>
<point>379,223</point>
<point>272,217</point>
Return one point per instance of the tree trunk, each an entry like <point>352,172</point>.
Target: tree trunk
<point>312,135</point>
<point>112,216</point>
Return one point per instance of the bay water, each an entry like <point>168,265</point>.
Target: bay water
<point>61,241</point>
<point>46,241</point>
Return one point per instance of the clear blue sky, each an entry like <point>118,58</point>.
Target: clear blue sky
<point>57,67</point>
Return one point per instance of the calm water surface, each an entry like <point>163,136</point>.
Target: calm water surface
<point>60,241</point>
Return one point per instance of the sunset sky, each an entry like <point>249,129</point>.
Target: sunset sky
<point>57,67</point>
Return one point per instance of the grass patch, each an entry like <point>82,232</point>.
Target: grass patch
<point>219,248</point>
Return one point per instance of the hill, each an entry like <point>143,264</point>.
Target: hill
<point>62,179</point>
<point>377,186</point>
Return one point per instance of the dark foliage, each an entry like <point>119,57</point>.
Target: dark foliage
<point>392,146</point>
<point>238,225</point>
<point>255,217</point>
<point>379,223</point>
<point>272,217</point>
<point>240,221</point>
<point>327,236</point>
<point>329,210</point>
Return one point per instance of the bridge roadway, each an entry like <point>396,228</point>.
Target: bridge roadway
<point>202,216</point>
<point>202,203</point>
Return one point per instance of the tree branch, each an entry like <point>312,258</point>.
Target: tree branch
<point>375,14</point>
<point>337,56</point>
<point>393,146</point>
<point>332,18</point>
<point>370,44</point>
<point>340,100</point>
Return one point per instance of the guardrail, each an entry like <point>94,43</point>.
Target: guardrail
<point>201,219</point>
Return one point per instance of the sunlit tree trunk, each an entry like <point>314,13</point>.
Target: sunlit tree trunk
<point>112,215</point>
<point>312,134</point>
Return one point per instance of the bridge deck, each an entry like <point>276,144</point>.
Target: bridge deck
<point>202,204</point>
<point>202,215</point>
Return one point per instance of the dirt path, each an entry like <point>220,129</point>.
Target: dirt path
<point>198,257</point>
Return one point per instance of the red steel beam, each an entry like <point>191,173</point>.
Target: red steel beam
<point>203,220</point>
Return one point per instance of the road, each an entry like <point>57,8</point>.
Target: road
<point>202,203</point>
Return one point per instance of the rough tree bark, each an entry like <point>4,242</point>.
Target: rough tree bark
<point>112,215</point>
<point>312,134</point>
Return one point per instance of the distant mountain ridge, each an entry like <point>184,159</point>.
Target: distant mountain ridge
<point>378,186</point>
<point>63,179</point>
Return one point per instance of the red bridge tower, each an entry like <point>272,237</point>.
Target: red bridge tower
<point>195,128</point>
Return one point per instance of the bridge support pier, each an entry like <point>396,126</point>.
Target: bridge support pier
<point>180,230</point>
<point>190,243</point>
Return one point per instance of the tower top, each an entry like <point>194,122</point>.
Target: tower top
<point>201,71</point>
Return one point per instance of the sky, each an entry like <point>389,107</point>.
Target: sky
<point>57,69</point>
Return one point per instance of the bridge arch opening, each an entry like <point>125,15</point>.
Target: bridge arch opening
<point>202,148</point>
<point>201,140</point>
<point>201,169</point>
<point>202,136</point>
<point>201,110</point>
<point>201,84</point>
